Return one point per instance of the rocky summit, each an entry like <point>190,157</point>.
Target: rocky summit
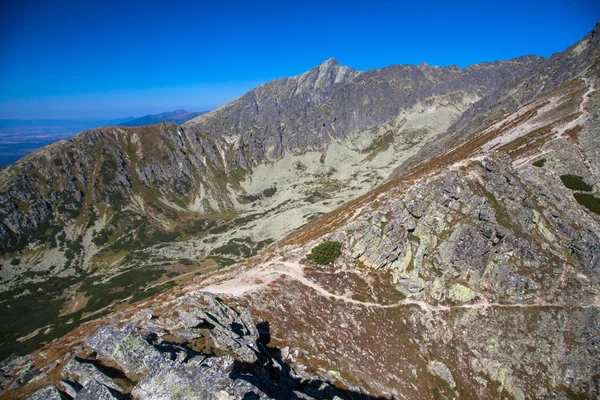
<point>406,232</point>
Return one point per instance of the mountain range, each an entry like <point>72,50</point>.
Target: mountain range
<point>177,116</point>
<point>464,203</point>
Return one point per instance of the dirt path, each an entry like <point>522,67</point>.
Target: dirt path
<point>259,278</point>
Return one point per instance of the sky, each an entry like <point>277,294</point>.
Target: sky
<point>112,59</point>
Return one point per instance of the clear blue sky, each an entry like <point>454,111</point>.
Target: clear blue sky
<point>70,59</point>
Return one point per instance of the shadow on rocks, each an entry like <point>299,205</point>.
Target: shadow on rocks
<point>279,380</point>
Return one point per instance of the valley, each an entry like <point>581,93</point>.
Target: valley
<point>465,204</point>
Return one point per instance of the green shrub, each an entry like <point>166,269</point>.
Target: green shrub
<point>575,182</point>
<point>269,192</point>
<point>588,201</point>
<point>325,253</point>
<point>15,261</point>
<point>539,163</point>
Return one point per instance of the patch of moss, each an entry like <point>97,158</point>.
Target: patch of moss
<point>575,182</point>
<point>539,163</point>
<point>590,202</point>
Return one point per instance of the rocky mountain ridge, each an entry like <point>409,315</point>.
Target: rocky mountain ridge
<point>84,214</point>
<point>499,230</point>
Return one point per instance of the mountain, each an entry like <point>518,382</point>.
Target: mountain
<point>20,137</point>
<point>465,204</point>
<point>177,116</point>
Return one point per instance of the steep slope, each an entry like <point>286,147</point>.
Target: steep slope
<point>80,217</point>
<point>224,185</point>
<point>474,274</point>
<point>177,116</point>
<point>547,76</point>
<point>333,101</point>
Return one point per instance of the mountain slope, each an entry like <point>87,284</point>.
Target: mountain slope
<point>547,76</point>
<point>474,274</point>
<point>177,116</point>
<point>221,187</point>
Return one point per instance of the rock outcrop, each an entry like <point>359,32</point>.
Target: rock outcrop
<point>200,349</point>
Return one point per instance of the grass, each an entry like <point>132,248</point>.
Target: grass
<point>575,182</point>
<point>117,288</point>
<point>590,202</point>
<point>24,314</point>
<point>242,248</point>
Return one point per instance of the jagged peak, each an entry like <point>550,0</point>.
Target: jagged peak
<point>331,62</point>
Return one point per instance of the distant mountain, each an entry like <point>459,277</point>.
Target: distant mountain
<point>81,124</point>
<point>177,116</point>
<point>19,137</point>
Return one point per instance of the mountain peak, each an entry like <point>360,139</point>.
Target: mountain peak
<point>331,62</point>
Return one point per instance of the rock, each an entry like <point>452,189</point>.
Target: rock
<point>230,330</point>
<point>95,390</point>
<point>411,286</point>
<point>47,393</point>
<point>68,387</point>
<point>461,293</point>
<point>209,380</point>
<point>487,213</point>
<point>441,370</point>
<point>126,347</point>
<point>83,372</point>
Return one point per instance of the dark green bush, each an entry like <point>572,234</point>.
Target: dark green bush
<point>575,182</point>
<point>269,192</point>
<point>539,163</point>
<point>325,253</point>
<point>15,261</point>
<point>588,201</point>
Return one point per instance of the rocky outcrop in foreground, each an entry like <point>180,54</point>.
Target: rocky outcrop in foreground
<point>201,349</point>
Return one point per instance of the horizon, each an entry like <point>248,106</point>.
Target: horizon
<point>72,61</point>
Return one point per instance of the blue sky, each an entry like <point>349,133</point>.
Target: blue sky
<point>71,59</point>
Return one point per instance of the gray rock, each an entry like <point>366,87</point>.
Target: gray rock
<point>68,387</point>
<point>95,390</point>
<point>441,370</point>
<point>230,330</point>
<point>83,372</point>
<point>126,347</point>
<point>47,393</point>
<point>209,380</point>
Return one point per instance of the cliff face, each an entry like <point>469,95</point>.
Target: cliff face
<point>471,272</point>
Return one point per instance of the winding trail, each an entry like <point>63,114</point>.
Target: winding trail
<point>259,278</point>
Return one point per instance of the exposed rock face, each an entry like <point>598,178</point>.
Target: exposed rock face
<point>114,200</point>
<point>306,111</point>
<point>475,273</point>
<point>154,367</point>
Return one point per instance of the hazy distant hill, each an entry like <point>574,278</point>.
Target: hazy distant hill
<point>177,116</point>
<point>19,137</point>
